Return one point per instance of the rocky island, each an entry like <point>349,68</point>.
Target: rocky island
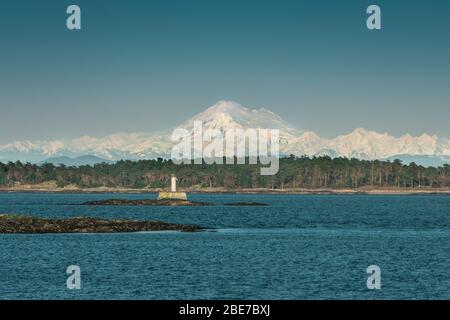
<point>29,224</point>
<point>163,202</point>
<point>145,202</point>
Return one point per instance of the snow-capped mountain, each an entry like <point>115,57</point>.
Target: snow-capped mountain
<point>231,115</point>
<point>365,144</point>
<point>360,143</point>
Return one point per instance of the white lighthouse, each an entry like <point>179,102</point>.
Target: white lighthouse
<point>173,183</point>
<point>173,194</point>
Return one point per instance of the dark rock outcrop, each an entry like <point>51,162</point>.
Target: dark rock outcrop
<point>250,203</point>
<point>29,224</point>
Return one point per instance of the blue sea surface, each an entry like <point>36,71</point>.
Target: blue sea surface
<point>298,247</point>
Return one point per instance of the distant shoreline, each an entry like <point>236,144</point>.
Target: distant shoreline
<point>361,191</point>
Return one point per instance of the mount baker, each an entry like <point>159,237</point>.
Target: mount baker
<point>361,143</point>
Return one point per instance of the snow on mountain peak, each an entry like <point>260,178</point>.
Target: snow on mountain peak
<point>224,106</point>
<point>231,115</point>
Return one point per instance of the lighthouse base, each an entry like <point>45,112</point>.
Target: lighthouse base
<point>167,195</point>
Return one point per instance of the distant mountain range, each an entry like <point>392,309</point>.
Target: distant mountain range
<point>361,143</point>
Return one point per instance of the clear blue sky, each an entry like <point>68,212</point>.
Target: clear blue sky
<point>148,65</point>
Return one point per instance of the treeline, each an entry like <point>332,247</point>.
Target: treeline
<point>295,172</point>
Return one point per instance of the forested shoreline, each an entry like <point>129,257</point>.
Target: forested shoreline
<point>295,172</point>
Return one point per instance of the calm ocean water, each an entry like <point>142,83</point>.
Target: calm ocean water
<point>299,247</point>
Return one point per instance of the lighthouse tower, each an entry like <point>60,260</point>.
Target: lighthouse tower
<point>173,194</point>
<point>173,183</point>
